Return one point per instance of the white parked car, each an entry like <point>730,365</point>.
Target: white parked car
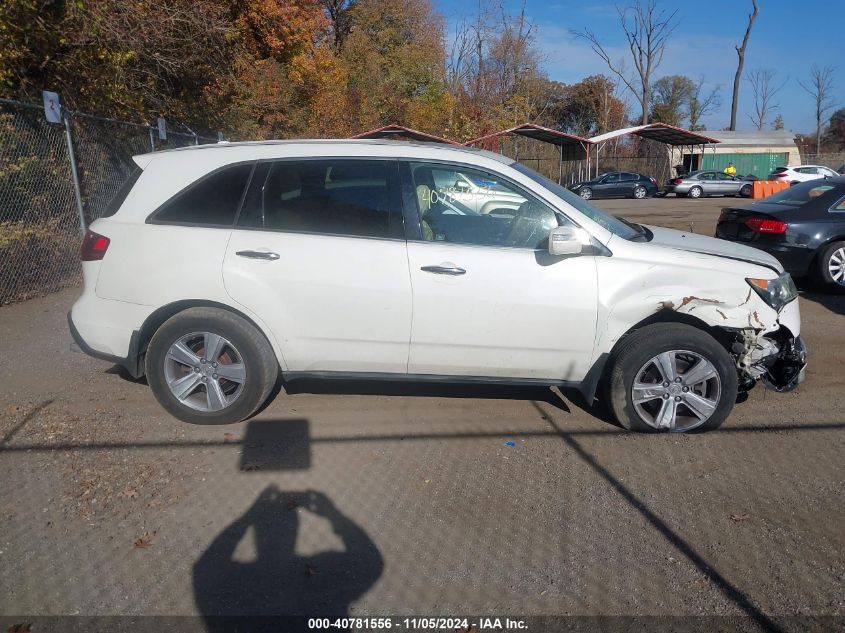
<point>802,173</point>
<point>222,269</point>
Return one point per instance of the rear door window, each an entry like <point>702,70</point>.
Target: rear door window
<point>211,201</point>
<point>359,198</point>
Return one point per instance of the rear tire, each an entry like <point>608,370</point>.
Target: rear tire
<point>226,387</point>
<point>693,353</point>
<point>695,192</point>
<point>831,267</point>
<point>640,192</point>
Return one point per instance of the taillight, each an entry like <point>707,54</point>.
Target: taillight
<point>653,181</point>
<point>94,246</point>
<point>677,181</point>
<point>780,175</point>
<point>762,225</point>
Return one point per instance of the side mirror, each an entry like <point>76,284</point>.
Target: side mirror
<point>568,240</point>
<point>462,185</point>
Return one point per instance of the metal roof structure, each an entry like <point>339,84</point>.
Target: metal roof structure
<point>660,132</point>
<point>395,131</point>
<point>756,138</point>
<point>571,147</point>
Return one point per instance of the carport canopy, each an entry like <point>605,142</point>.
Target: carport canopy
<point>397,132</point>
<point>571,147</point>
<point>660,132</point>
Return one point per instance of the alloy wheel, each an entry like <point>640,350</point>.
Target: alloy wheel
<point>639,192</point>
<point>586,194</point>
<point>677,390</point>
<point>836,266</point>
<point>204,371</point>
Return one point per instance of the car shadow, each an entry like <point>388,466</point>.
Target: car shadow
<point>425,390</point>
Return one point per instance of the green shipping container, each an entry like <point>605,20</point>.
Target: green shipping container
<point>761,165</point>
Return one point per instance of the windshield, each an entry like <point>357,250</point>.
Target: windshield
<point>612,224</point>
<point>803,193</point>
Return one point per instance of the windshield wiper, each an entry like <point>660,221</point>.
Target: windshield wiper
<point>643,234</point>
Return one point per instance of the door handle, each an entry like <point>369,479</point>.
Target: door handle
<point>258,255</point>
<point>444,270</point>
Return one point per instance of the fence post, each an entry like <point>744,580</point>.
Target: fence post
<point>74,172</point>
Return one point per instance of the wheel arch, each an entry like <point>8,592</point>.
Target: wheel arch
<point>159,316</point>
<point>601,367</point>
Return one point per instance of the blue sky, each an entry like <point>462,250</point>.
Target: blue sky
<point>788,37</point>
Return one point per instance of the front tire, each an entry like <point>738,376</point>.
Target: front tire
<point>210,366</point>
<point>586,193</point>
<point>745,191</point>
<point>671,377</point>
<point>831,267</point>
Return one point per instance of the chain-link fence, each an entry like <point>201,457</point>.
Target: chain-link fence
<point>39,217</point>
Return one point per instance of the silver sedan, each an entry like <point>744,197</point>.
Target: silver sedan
<point>709,183</point>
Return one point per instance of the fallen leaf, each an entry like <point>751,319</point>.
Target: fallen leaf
<point>145,541</point>
<point>129,493</point>
<point>310,570</point>
<point>23,627</point>
<point>251,466</point>
<point>228,436</point>
<point>292,504</point>
<point>738,518</point>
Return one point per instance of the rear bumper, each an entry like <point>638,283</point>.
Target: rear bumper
<point>130,362</point>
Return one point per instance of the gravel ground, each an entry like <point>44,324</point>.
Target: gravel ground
<point>387,499</point>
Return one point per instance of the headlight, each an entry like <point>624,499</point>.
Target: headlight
<point>775,292</point>
<point>577,185</point>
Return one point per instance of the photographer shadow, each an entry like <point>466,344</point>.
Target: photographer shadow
<point>250,578</point>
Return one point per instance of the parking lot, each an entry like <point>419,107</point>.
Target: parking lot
<point>388,499</point>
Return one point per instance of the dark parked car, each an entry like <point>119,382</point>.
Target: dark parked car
<point>803,227</point>
<point>616,184</point>
<point>710,183</point>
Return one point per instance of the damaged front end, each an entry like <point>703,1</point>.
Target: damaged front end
<point>777,359</point>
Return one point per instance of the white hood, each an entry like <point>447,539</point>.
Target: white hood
<point>683,241</point>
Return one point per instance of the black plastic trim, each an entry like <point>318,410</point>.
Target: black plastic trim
<point>130,363</point>
<point>436,378</point>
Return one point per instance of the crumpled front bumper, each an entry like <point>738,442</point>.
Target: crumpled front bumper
<point>788,366</point>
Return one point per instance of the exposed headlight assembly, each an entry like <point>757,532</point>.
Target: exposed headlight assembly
<point>775,292</point>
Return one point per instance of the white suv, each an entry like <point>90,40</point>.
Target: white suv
<point>802,173</point>
<point>224,269</point>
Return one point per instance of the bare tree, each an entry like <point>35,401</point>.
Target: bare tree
<point>647,30</point>
<point>740,53</point>
<point>700,105</point>
<point>820,88</point>
<point>764,88</point>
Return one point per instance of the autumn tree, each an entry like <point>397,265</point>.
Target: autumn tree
<point>671,96</point>
<point>394,60</point>
<point>647,29</point>
<point>586,108</point>
<point>834,134</point>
